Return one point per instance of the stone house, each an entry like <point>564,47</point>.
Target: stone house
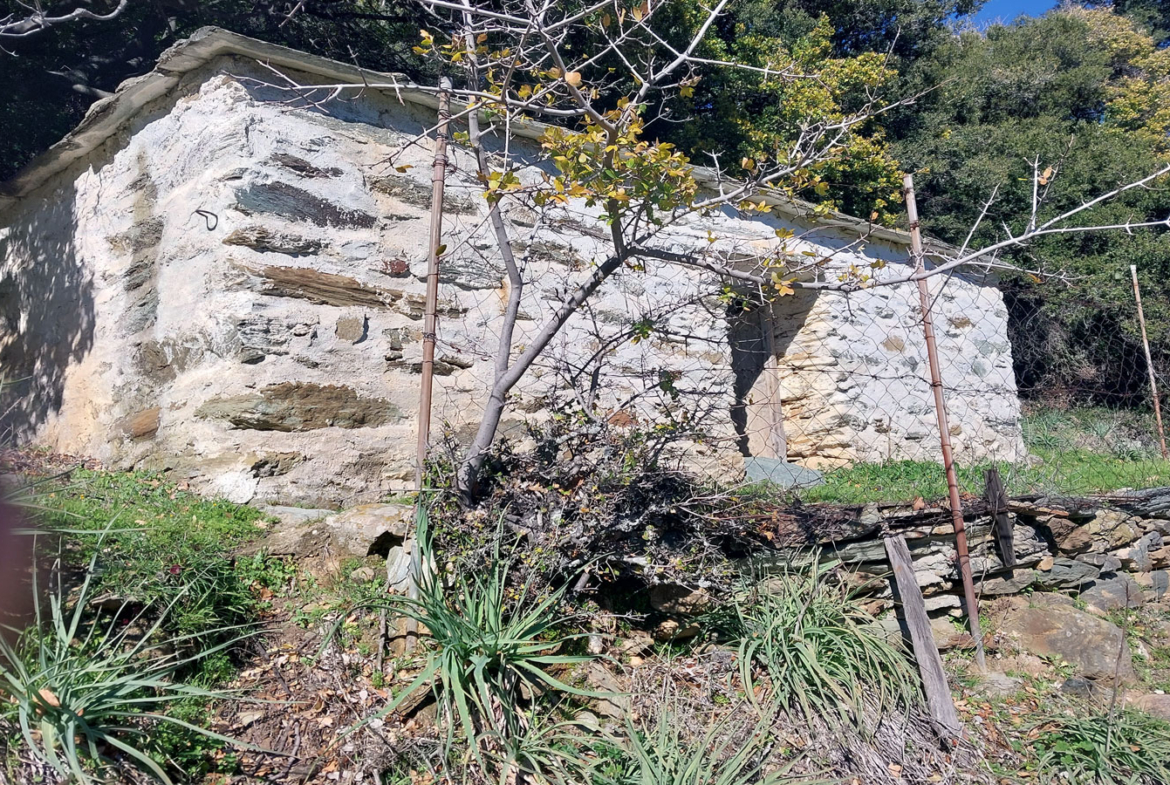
<point>217,277</point>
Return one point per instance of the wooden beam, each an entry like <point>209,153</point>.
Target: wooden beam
<point>934,681</point>
<point>997,503</point>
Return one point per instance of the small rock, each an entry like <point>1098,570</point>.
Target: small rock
<point>675,598</point>
<point>1113,594</point>
<point>615,703</point>
<point>671,630</point>
<point>1156,583</point>
<point>364,574</point>
<point>636,642</point>
<point>1067,574</point>
<point>1154,704</point>
<point>1019,580</point>
<point>1079,685</point>
<point>1105,562</point>
<point>948,636</point>
<point>941,601</point>
<point>352,329</point>
<point>1075,540</point>
<point>595,645</point>
<point>1000,684</point>
<point>140,424</point>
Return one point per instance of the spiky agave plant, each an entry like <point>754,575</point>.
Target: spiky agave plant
<point>485,650</point>
<point>85,691</point>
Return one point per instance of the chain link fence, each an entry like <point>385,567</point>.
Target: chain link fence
<point>826,393</point>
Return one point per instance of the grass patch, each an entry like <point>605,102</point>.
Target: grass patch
<point>1076,453</point>
<point>814,643</point>
<point>165,546</point>
<point>144,620</point>
<point>88,690</point>
<point>1129,747</point>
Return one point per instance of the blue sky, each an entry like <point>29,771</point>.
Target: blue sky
<point>1007,10</point>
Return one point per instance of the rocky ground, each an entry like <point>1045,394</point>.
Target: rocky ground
<point>325,662</point>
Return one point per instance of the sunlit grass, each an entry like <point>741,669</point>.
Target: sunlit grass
<point>1074,453</point>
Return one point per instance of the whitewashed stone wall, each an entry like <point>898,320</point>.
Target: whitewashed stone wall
<point>232,289</point>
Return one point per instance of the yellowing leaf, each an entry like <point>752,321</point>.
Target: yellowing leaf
<point>479,39</point>
<point>605,20</point>
<point>554,72</point>
<point>686,91</point>
<point>573,78</point>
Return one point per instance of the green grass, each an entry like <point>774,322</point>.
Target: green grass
<point>89,690</point>
<point>1075,453</point>
<point>164,544</point>
<point>135,548</point>
<point>809,637</point>
<point>1128,747</point>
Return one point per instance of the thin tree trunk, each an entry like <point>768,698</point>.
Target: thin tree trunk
<point>469,470</point>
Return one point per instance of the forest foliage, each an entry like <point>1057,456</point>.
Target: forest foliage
<point>1083,89</point>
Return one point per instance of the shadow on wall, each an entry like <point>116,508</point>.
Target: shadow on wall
<point>750,350</point>
<point>46,313</point>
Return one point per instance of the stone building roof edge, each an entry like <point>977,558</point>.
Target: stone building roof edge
<point>108,116</point>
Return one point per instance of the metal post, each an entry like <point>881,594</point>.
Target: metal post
<point>944,430</point>
<point>1137,295</point>
<point>438,179</point>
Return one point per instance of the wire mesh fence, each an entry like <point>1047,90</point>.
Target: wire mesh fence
<point>825,393</point>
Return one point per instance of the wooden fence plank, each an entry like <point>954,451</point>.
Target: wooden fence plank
<point>934,680</point>
<point>998,505</point>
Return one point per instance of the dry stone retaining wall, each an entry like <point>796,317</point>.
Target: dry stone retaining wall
<point>1113,554</point>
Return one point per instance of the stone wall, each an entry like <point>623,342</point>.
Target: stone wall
<point>231,288</point>
<point>1112,553</point>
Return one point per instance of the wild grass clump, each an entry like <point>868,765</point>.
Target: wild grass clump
<point>1104,748</point>
<point>738,749</point>
<point>89,691</point>
<point>806,634</point>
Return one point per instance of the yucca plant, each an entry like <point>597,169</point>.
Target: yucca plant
<point>488,646</point>
<point>735,750</point>
<point>1124,748</point>
<point>85,691</point>
<point>816,647</point>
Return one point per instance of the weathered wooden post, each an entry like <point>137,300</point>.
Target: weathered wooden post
<point>939,702</point>
<point>944,428</point>
<point>998,507</point>
<point>1137,295</point>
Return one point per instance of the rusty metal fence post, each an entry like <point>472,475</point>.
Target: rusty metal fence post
<point>944,430</point>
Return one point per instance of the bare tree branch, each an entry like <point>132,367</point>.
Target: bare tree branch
<point>37,21</point>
